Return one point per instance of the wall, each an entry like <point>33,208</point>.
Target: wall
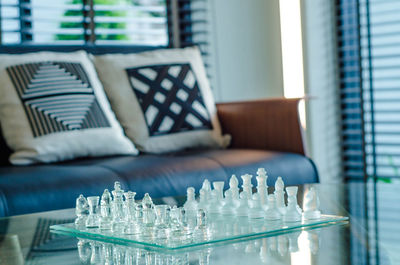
<point>247,49</point>
<point>323,116</point>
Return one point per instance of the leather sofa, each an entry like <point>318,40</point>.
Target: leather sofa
<point>265,133</point>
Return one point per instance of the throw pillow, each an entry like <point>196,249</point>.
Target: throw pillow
<point>162,99</point>
<point>53,108</point>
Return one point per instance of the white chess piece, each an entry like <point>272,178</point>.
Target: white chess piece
<point>311,205</point>
<point>243,209</point>
<point>190,205</point>
<point>280,195</point>
<point>219,187</point>
<point>214,206</point>
<point>234,187</point>
<point>247,186</point>
<point>207,188</point>
<point>229,206</point>
<point>292,214</point>
<point>272,212</point>
<point>256,211</point>
<point>203,200</point>
<point>262,188</point>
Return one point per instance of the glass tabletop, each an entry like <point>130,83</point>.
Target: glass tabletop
<point>371,237</point>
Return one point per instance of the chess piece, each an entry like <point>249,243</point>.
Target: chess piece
<point>118,213</point>
<point>234,188</point>
<point>262,188</point>
<point>81,211</point>
<point>229,207</point>
<point>311,205</point>
<point>176,223</point>
<point>130,212</point>
<point>162,221</point>
<point>148,219</point>
<point>272,212</point>
<point>256,211</point>
<point>201,232</point>
<point>105,211</point>
<point>191,204</point>
<point>280,195</point>
<point>243,209</point>
<point>247,186</point>
<point>207,188</point>
<point>292,214</point>
<point>215,205</point>
<point>92,220</point>
<point>203,200</point>
<point>219,187</point>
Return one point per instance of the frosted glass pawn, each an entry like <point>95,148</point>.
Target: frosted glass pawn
<point>214,206</point>
<point>81,211</point>
<point>105,210</point>
<point>229,207</point>
<point>311,205</point>
<point>207,188</point>
<point>262,188</point>
<point>234,189</point>
<point>92,220</point>
<point>256,210</point>
<point>191,204</point>
<point>243,209</point>
<point>280,195</point>
<point>272,212</point>
<point>201,231</point>
<point>292,214</point>
<point>203,200</point>
<point>247,186</point>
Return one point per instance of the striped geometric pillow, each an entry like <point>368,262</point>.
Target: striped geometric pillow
<point>55,109</point>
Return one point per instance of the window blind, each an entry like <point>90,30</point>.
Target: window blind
<point>158,23</point>
<point>368,34</point>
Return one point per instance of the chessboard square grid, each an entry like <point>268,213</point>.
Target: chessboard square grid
<point>57,96</point>
<point>170,98</point>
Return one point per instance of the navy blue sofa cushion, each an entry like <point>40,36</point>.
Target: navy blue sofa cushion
<point>56,186</point>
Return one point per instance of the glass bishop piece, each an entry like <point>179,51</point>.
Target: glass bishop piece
<point>105,211</point>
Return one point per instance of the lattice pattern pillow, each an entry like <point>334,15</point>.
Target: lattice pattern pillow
<point>162,99</point>
<point>52,108</point>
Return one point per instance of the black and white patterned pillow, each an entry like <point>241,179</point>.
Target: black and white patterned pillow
<point>170,98</point>
<point>162,99</point>
<point>54,109</point>
<point>57,96</point>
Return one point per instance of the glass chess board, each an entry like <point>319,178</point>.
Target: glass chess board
<point>221,230</point>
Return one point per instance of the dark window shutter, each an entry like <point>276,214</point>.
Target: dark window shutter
<point>369,65</point>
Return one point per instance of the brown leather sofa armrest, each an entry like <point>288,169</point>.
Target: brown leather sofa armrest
<point>269,124</point>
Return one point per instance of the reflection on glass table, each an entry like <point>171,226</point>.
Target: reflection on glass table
<point>371,237</point>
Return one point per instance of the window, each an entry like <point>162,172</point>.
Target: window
<point>155,23</point>
<point>369,65</point>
